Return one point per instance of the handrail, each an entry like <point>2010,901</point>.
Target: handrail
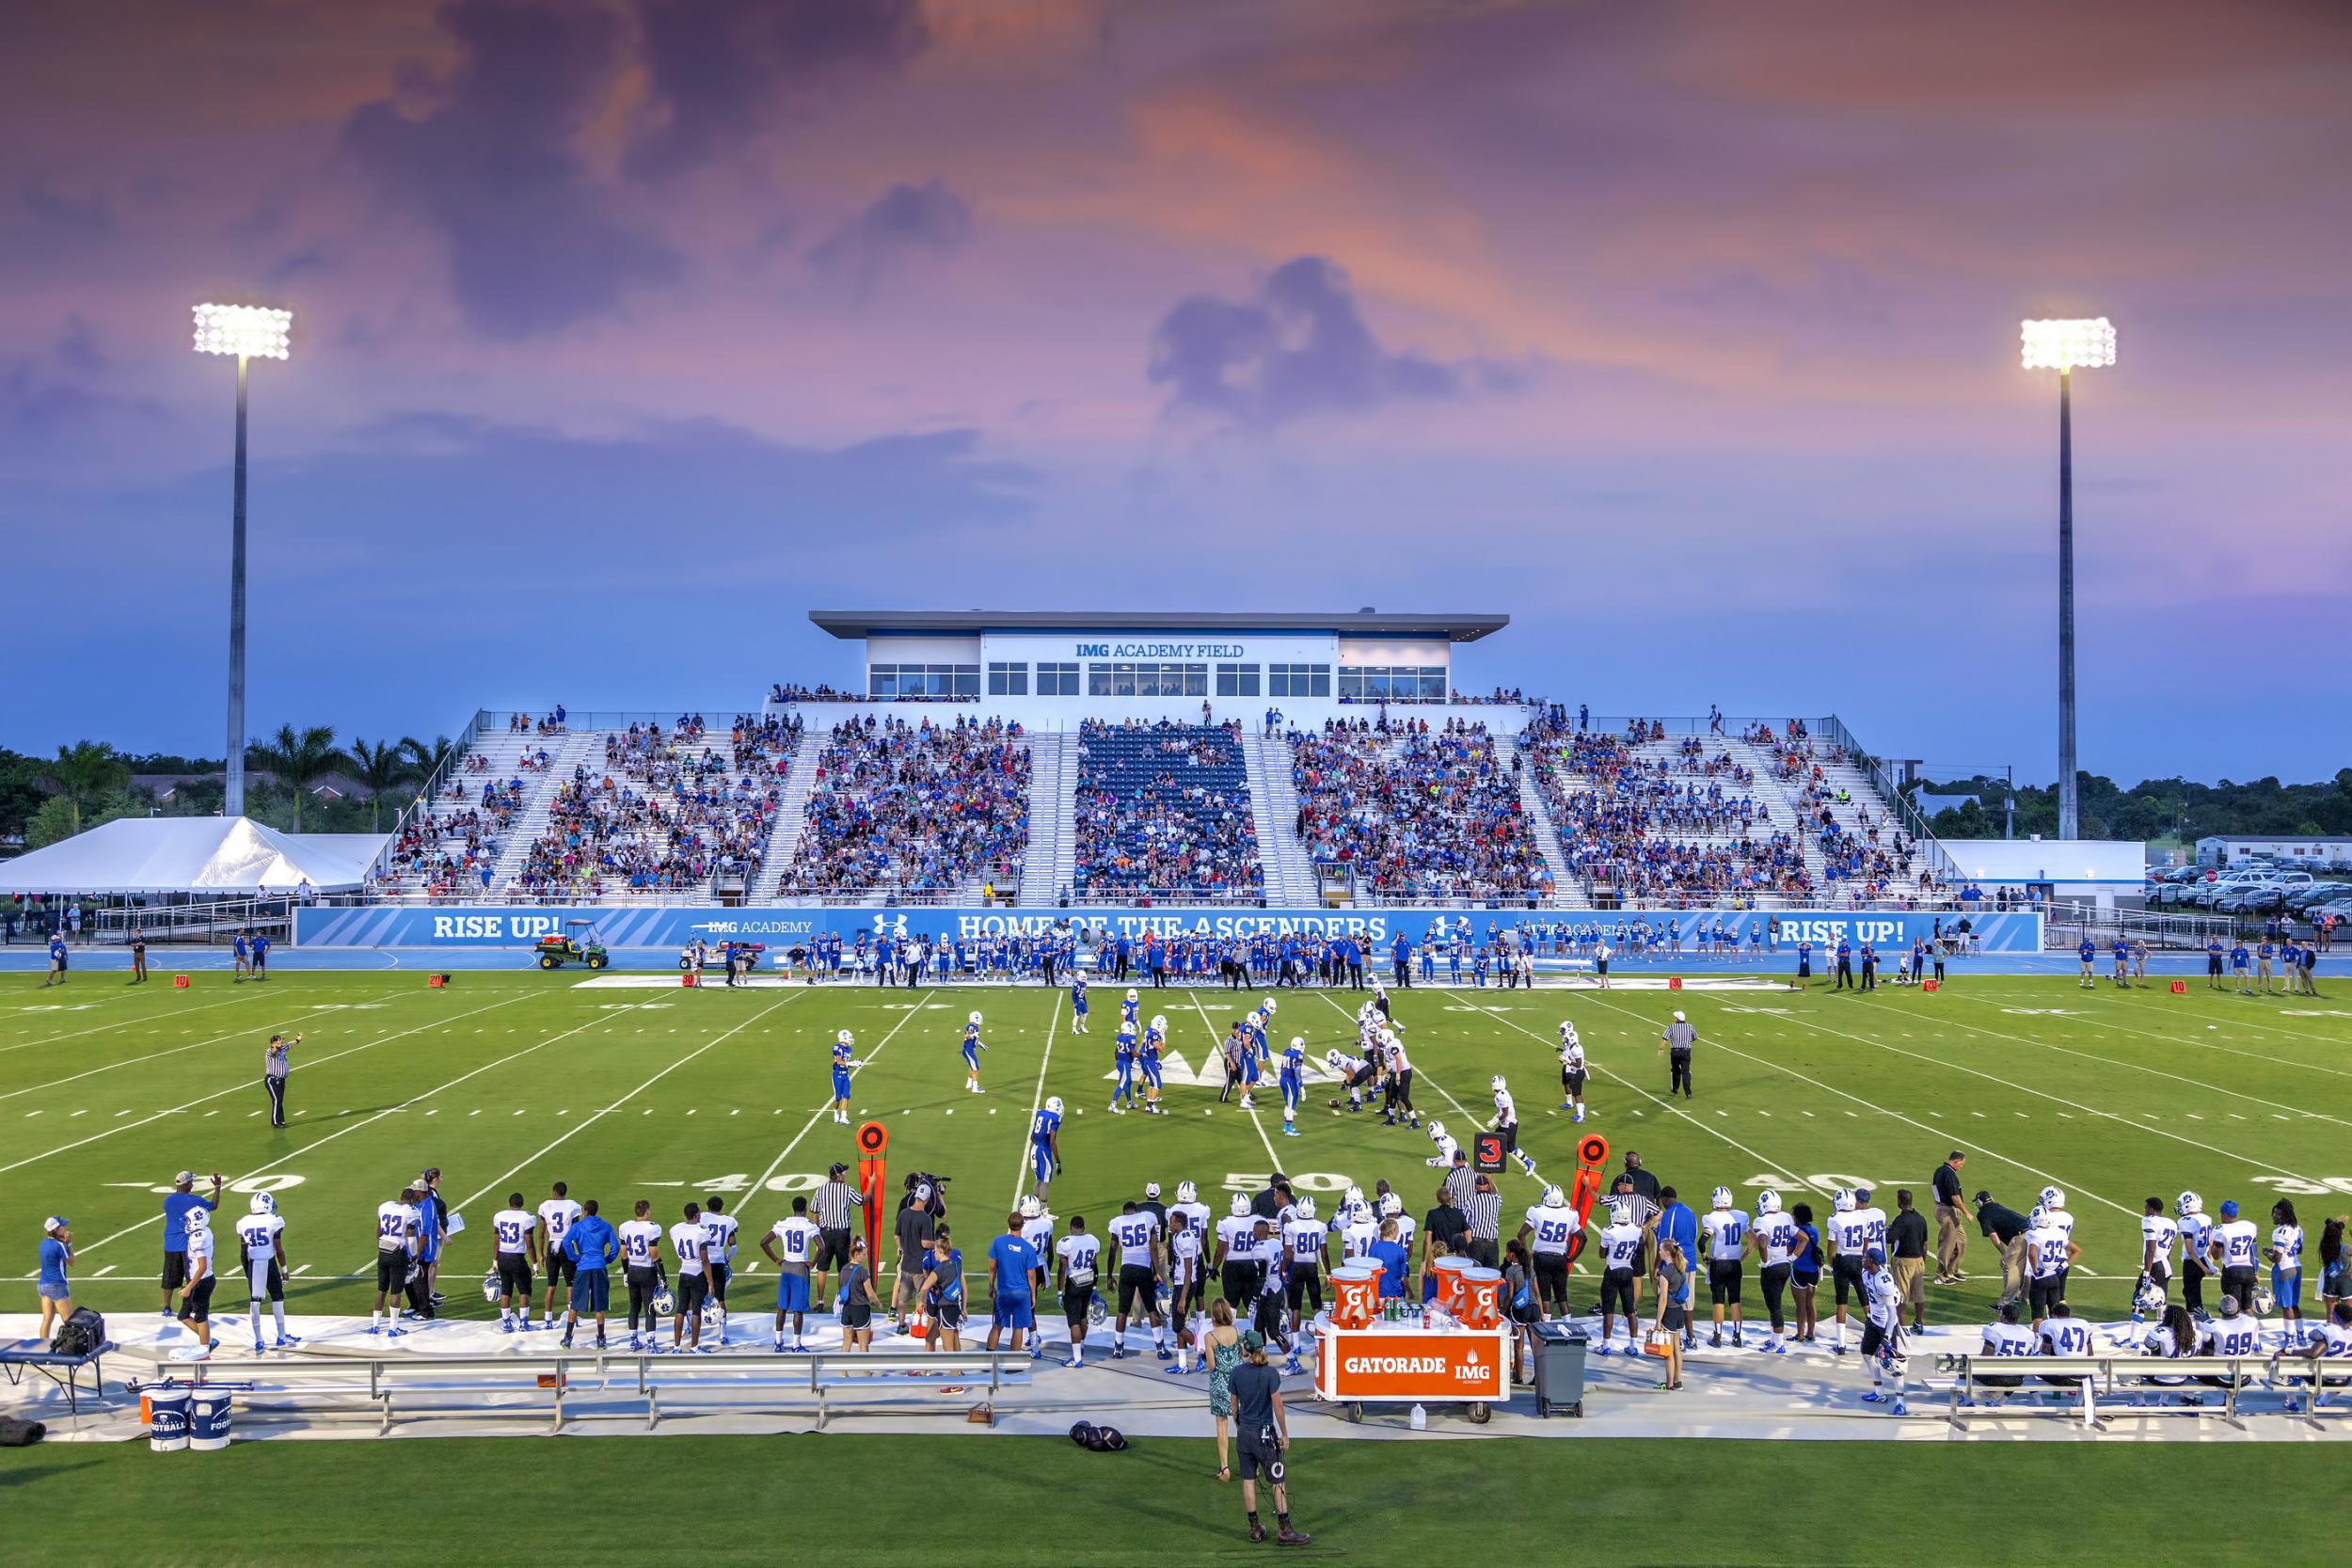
<point>423,800</point>
<point>1931,846</point>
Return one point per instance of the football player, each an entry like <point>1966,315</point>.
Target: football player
<point>1130,1008</point>
<point>2157,1235</point>
<point>1045,1146</point>
<point>2231,1248</point>
<point>1077,1003</point>
<point>1123,1065</point>
<point>1135,1233</point>
<point>1849,1241</point>
<point>1354,1072</point>
<point>196,1296</point>
<point>1447,1147</point>
<point>642,1267</point>
<point>1294,1082</point>
<point>262,1246</point>
<point>1620,1250</point>
<point>1185,1277</point>
<point>1724,1238</point>
<point>1074,1257</point>
<point>1507,1124</point>
<point>718,1257</point>
<point>1397,1110</point>
<point>1883,1330</point>
<point>693,1280</point>
<point>555,1220</point>
<point>1148,1058</point>
<point>1573,1070</point>
<point>1305,1242</point>
<point>790,1244</point>
<point>1232,1259</point>
<point>1546,1231</point>
<point>515,1252</point>
<point>973,1046</point>
<point>1777,1243</point>
<point>395,1251</point>
<point>844,1060</point>
<point>2196,1251</point>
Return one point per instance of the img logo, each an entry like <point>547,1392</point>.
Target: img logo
<point>1093,650</point>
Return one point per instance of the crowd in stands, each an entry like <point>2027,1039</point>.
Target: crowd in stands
<point>1864,862</point>
<point>917,808</point>
<point>668,812</point>
<point>1413,811</point>
<point>1165,807</point>
<point>779,692</point>
<point>547,724</point>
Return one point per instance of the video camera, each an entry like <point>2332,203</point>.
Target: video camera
<point>926,1191</point>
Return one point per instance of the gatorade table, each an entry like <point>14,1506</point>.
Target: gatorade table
<point>1402,1363</point>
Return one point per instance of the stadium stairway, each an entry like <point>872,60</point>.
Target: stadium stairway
<point>1052,863</point>
<point>462,790</point>
<point>1290,873</point>
<point>570,751</point>
<point>784,839</point>
<point>1569,891</point>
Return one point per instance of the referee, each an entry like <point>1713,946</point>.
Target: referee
<point>830,1205</point>
<point>1675,1045</point>
<point>276,1064</point>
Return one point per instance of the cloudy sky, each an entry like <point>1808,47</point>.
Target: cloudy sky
<point>628,330</point>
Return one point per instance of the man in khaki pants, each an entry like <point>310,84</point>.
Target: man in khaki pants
<point>1951,1220</point>
<point>2006,1228</point>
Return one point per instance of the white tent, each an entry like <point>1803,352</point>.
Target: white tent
<point>192,854</point>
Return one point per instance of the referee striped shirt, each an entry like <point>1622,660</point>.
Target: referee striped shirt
<point>832,1203</point>
<point>1484,1213</point>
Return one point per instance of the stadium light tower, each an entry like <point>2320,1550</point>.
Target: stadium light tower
<point>2066,346</point>
<point>247,332</point>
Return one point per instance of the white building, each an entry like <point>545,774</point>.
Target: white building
<point>2279,849</point>
<point>2059,870</point>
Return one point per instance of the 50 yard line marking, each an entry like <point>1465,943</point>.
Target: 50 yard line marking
<point>826,1109</point>
<point>1053,1023</point>
<point>587,1121</point>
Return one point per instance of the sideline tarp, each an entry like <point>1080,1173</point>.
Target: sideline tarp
<point>192,854</point>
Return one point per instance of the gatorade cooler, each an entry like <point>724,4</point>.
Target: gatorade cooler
<point>1355,1296</point>
<point>208,1418</point>
<point>166,1406</point>
<point>1482,1298</point>
<point>1450,1271</point>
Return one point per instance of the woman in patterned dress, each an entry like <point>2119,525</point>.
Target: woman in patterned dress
<point>1220,1345</point>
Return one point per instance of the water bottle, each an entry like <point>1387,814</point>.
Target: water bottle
<point>1420,1418</point>
<point>1424,1317</point>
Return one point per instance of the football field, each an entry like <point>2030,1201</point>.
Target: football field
<point>627,1086</point>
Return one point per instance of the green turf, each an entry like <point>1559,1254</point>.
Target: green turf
<point>511,1080</point>
<point>1031,1502</point>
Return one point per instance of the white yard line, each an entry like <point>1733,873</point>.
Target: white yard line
<point>153,1055</point>
<point>587,1121</point>
<point>120,1024</point>
<point>369,1121</point>
<point>1037,1100</point>
<point>246,1086</point>
<point>826,1109</point>
<point>1419,1076</point>
<point>2211,1045</point>
<point>1216,1053</point>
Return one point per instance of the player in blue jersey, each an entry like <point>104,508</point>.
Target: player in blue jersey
<point>1129,1007</point>
<point>1045,1146</point>
<point>1294,1080</point>
<point>973,1046</point>
<point>1077,1003</point>
<point>1123,1061</point>
<point>844,1059</point>
<point>1154,1041</point>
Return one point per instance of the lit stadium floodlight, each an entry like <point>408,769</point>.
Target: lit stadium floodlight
<point>246,332</point>
<point>2066,346</point>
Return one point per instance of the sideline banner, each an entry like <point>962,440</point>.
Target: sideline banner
<point>1777,931</point>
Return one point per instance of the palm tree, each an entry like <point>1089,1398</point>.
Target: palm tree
<point>427,759</point>
<point>381,766</point>
<point>299,758</point>
<point>84,774</point>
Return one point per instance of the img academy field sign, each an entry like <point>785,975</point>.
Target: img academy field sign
<point>660,926</point>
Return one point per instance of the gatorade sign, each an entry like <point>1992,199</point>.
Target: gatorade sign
<point>1390,1362</point>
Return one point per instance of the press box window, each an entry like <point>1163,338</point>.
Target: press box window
<point>1008,680</point>
<point>1237,680</point>
<point>1057,680</point>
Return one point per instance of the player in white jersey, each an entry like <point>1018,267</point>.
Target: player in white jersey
<point>2231,1248</point>
<point>1037,1228</point>
<point>2053,1199</point>
<point>555,1220</point>
<point>1724,1238</point>
<point>791,1244</point>
<point>1135,1233</point>
<point>1883,1330</point>
<point>1507,1124</point>
<point>693,1280</point>
<point>1358,1227</point>
<point>1187,1264</point>
<point>1356,1072</point>
<point>2157,1234</point>
<point>2196,1250</point>
<point>1548,1230</point>
<point>1848,1239</point>
<point>195,1297</point>
<point>2049,1253</point>
<point>1778,1243</point>
<point>1076,1259</point>
<point>1305,1246</point>
<point>262,1249</point>
<point>2004,1339</point>
<point>1232,1259</point>
<point>641,1266</point>
<point>719,1242</point>
<point>2285,1257</point>
<point>1397,1108</point>
<point>2331,1341</point>
<point>396,1222</point>
<point>514,1252</point>
<point>1447,1147</point>
<point>1198,1214</point>
<point>1573,1070</point>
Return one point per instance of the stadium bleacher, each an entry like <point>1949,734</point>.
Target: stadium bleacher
<point>923,808</point>
<point>1412,812</point>
<point>1165,809</point>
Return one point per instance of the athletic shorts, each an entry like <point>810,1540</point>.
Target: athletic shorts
<point>950,1314</point>
<point>2043,1294</point>
<point>1136,1280</point>
<point>1077,1305</point>
<point>1846,1277</point>
<point>1306,1282</point>
<point>1259,1456</point>
<point>693,1289</point>
<point>198,1307</point>
<point>1616,1291</point>
<point>2239,1282</point>
<point>2286,1290</point>
<point>513,1274</point>
<point>392,1270</point>
<point>561,1267</point>
<point>592,1290</point>
<point>1873,1338</point>
<point>833,1248</point>
<point>1014,1311</point>
<point>791,1292</point>
<point>1723,1284</point>
<point>175,1270</point>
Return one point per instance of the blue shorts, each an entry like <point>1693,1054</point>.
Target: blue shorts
<point>791,1292</point>
<point>592,1290</point>
<point>841,1085</point>
<point>1015,1311</point>
<point>1151,1071</point>
<point>53,1290</point>
<point>971,1061</point>
<point>1041,1161</point>
<point>2286,1290</point>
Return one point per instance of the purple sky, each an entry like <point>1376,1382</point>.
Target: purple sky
<point>626,330</point>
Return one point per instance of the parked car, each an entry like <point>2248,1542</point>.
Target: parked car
<point>2259,899</point>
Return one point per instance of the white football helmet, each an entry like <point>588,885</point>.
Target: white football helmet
<point>1768,1202</point>
<point>1131,993</point>
<point>2149,1298</point>
<point>199,1218</point>
<point>2188,1204</point>
<point>2039,1218</point>
<point>1333,1058</point>
<point>2262,1304</point>
<point>1842,1200</point>
<point>1299,1043</point>
<point>1031,1207</point>
<point>1496,1083</point>
<point>1240,1205</point>
<point>1159,1021</point>
<point>975,1018</point>
<point>1436,1132</point>
<point>262,1204</point>
<point>1053,1103</point>
<point>663,1301</point>
<point>1391,1206</point>
<point>1355,1195</point>
<point>1306,1207</point>
<point>1568,1031</point>
<point>1721,1197</point>
<point>1186,1192</point>
<point>1266,1005</point>
<point>2053,1198</point>
<point>841,1037</point>
<point>1555,1198</point>
<point>1360,1212</point>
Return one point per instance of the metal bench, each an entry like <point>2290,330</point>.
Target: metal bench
<point>63,1370</point>
<point>2143,1384</point>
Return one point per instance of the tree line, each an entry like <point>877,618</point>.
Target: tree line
<point>90,783</point>
<point>2153,809</point>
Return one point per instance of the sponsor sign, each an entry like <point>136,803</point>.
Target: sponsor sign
<point>1391,1362</point>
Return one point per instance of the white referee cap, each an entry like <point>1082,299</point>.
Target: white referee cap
<point>55,1222</point>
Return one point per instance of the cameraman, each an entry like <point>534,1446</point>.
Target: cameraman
<point>1262,1427</point>
<point>915,1226</point>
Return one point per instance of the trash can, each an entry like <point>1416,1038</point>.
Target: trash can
<point>208,1420</point>
<point>166,1416</point>
<point>1558,1368</point>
